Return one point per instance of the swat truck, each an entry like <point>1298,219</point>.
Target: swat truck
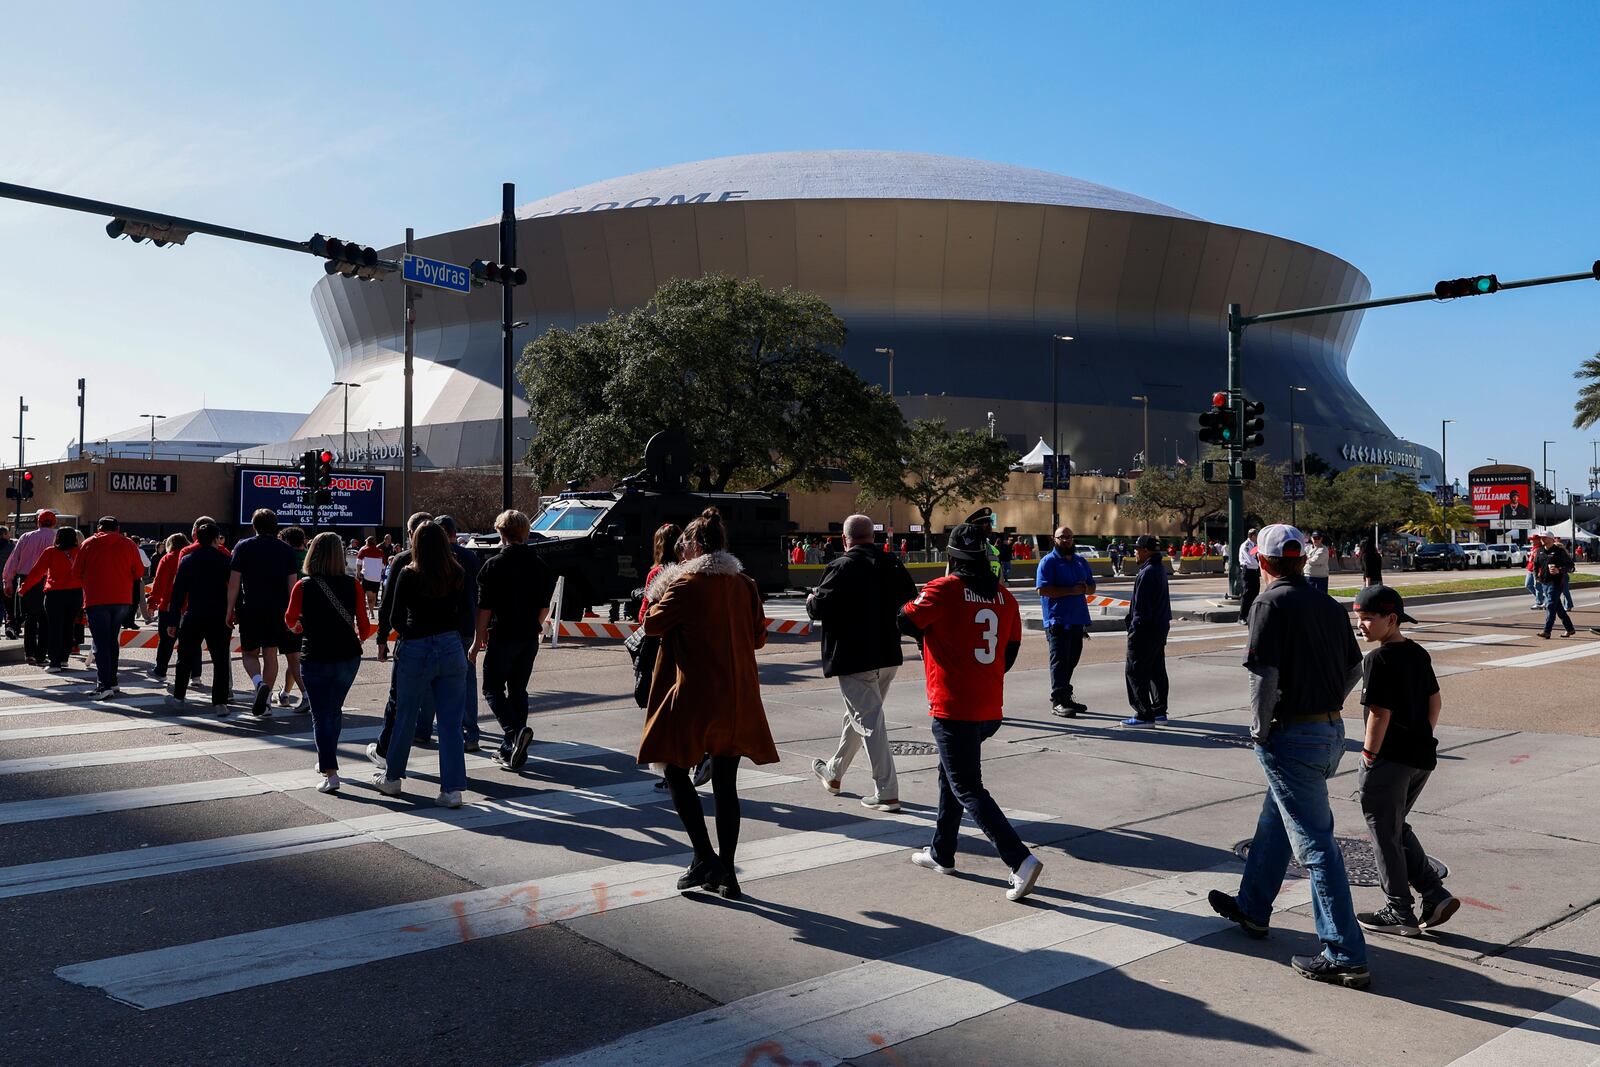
<point>602,542</point>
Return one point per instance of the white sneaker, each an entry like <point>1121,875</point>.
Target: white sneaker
<point>450,798</point>
<point>924,858</point>
<point>377,760</point>
<point>819,769</point>
<point>52,670</point>
<point>329,784</point>
<point>877,803</point>
<point>1023,877</point>
<point>382,784</point>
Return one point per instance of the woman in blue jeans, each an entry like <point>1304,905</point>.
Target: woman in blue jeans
<point>323,608</point>
<point>425,612</point>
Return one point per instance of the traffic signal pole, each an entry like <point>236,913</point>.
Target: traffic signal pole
<point>508,257</point>
<point>407,374</point>
<point>1482,285</point>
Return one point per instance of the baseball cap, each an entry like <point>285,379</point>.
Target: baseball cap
<point>1382,600</point>
<point>44,516</point>
<point>1147,542</point>
<point>966,542</point>
<point>1279,540</point>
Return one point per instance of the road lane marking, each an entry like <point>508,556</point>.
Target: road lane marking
<point>881,1003</point>
<point>1553,655</point>
<point>175,750</point>
<point>550,804</point>
<point>160,796</point>
<point>1473,642</point>
<point>133,703</point>
<point>182,973</point>
<point>1564,1036</point>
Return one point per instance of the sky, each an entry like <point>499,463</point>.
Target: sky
<point>1418,142</point>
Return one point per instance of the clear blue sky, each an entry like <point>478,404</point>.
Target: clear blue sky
<point>1441,140</point>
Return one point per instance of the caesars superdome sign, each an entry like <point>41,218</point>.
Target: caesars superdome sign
<point>1387,456</point>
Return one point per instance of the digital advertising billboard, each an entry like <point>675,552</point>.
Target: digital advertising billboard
<point>357,498</point>
<point>1502,496</point>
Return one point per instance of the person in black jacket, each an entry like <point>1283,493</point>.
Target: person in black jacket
<point>857,603</point>
<point>378,751</point>
<point>200,602</point>
<point>1149,620</point>
<point>322,613</point>
<point>513,601</point>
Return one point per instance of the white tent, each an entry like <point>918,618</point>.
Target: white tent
<point>1034,461</point>
<point>1563,530</point>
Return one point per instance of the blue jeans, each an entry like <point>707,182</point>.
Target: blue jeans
<point>961,789</point>
<point>1553,606</point>
<point>433,665</point>
<point>1298,760</point>
<point>327,683</point>
<point>105,626</point>
<point>1536,589</point>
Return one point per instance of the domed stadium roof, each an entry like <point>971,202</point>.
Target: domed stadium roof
<point>841,174</point>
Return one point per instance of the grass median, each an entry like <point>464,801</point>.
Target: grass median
<point>1467,585</point>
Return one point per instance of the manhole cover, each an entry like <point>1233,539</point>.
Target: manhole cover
<point>1225,739</point>
<point>1360,863</point>
<point>913,748</point>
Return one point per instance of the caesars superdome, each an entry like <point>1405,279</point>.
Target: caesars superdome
<point>965,269</point>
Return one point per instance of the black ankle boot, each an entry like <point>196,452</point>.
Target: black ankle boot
<point>702,872</point>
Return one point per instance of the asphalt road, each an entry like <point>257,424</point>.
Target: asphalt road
<point>178,893</point>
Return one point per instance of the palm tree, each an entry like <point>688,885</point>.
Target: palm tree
<point>1439,523</point>
<point>1586,412</point>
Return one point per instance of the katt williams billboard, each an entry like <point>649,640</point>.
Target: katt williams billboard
<point>1498,493</point>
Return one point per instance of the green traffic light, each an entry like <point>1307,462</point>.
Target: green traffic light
<point>1227,435</point>
<point>1484,285</point>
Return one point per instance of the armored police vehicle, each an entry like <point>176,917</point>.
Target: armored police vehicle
<point>602,542</point>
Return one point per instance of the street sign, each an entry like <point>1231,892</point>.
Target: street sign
<point>1294,487</point>
<point>420,270</point>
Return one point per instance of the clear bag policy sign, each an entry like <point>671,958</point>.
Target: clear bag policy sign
<point>357,498</point>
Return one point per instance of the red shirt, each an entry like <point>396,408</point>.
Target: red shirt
<point>161,584</point>
<point>55,569</point>
<point>964,640</point>
<point>108,565</point>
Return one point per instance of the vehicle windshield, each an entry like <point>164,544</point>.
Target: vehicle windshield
<point>1432,550</point>
<point>565,518</point>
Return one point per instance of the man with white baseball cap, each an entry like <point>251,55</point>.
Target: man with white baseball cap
<point>1303,662</point>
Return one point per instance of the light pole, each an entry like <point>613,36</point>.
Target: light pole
<point>152,419</point>
<point>991,425</point>
<point>889,529</point>
<point>1055,428</point>
<point>1543,474</point>
<point>82,394</point>
<point>345,450</point>
<point>1444,452</point>
<point>1293,389</point>
<point>1144,457</point>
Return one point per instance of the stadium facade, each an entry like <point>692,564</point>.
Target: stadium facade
<point>964,268</point>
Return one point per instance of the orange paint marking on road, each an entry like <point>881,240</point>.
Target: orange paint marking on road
<point>531,908</point>
<point>1518,759</point>
<point>463,927</point>
<point>1479,904</point>
<point>601,891</point>
<point>638,893</point>
<point>414,929</point>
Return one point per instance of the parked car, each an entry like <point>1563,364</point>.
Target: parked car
<point>1090,552</point>
<point>1501,554</point>
<point>1478,554</point>
<point>1519,553</point>
<point>1441,556</point>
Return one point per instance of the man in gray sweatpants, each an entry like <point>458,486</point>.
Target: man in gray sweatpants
<point>856,604</point>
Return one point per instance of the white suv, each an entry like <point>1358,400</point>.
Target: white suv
<point>1478,554</point>
<point>1501,554</point>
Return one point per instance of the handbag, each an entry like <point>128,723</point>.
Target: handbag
<point>643,648</point>
<point>364,628</point>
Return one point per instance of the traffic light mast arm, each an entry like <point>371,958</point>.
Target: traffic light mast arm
<point>1592,274</point>
<point>47,198</point>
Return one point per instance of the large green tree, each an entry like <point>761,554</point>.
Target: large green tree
<point>1586,411</point>
<point>932,466</point>
<point>1179,494</point>
<point>1356,499</point>
<point>749,373</point>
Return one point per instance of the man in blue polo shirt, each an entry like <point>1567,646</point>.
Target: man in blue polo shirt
<point>1064,580</point>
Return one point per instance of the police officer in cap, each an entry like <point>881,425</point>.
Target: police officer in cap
<point>983,519</point>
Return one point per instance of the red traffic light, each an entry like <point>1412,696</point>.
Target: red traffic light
<point>27,476</point>
<point>1219,400</point>
<point>326,457</point>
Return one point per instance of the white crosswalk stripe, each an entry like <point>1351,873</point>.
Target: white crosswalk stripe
<point>1567,1035</point>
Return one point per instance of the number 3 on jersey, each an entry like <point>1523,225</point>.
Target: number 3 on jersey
<point>990,637</point>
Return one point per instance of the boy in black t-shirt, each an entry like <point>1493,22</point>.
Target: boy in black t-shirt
<point>1400,706</point>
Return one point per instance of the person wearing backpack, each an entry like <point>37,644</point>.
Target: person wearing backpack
<point>325,612</point>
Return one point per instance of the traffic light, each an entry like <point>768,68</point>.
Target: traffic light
<point>1475,286</point>
<point>346,257</point>
<point>27,485</point>
<point>307,468</point>
<point>1251,432</point>
<point>484,272</point>
<point>1216,425</point>
<point>161,235</point>
<point>324,477</point>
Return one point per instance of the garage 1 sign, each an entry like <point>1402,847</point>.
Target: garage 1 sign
<point>133,482</point>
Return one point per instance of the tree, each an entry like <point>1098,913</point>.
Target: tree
<point>937,468</point>
<point>1586,412</point>
<point>1179,493</point>
<point>1437,522</point>
<point>748,373</point>
<point>1356,499</point>
<point>472,497</point>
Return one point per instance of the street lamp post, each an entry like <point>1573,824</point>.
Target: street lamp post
<point>1293,389</point>
<point>991,424</point>
<point>1444,451</point>
<point>889,529</point>
<point>1055,428</point>
<point>1544,474</point>
<point>152,419</point>
<point>345,453</point>
<point>1144,457</point>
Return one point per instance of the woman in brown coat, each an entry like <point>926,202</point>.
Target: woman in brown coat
<point>705,695</point>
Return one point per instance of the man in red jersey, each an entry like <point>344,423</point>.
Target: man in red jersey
<point>970,631</point>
